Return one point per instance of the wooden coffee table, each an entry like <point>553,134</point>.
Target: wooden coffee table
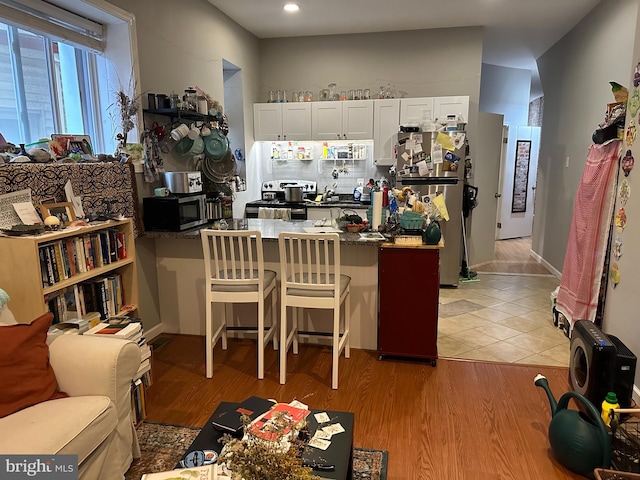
<point>339,454</point>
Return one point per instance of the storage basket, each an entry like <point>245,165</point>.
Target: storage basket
<point>411,221</point>
<point>605,474</point>
<point>625,441</point>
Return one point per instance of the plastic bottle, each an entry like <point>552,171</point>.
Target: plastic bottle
<point>610,402</point>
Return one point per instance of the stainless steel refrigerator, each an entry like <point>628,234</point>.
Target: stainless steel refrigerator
<point>429,163</point>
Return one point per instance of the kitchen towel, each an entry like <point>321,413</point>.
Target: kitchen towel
<point>278,213</point>
<point>587,243</point>
<point>377,210</point>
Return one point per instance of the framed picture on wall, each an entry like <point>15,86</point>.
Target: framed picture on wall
<point>521,176</point>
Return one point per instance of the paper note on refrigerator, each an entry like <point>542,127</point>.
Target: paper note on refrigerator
<point>436,154</point>
<point>438,201</point>
<point>445,141</point>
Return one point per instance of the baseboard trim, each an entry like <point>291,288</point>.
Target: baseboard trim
<point>153,332</point>
<point>546,264</point>
<point>636,395</point>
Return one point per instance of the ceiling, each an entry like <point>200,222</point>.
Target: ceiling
<point>516,31</point>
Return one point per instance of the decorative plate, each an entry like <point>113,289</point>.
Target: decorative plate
<point>624,192</point>
<point>627,163</point>
<point>17,230</point>
<point>216,145</point>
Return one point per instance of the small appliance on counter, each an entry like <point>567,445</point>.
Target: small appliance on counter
<point>283,194</point>
<point>174,213</point>
<point>183,182</point>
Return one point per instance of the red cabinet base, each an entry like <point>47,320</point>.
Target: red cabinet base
<point>408,293</point>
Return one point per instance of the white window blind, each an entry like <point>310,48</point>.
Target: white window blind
<point>39,16</point>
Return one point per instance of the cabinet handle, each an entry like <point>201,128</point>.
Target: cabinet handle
<point>338,135</point>
<point>344,135</point>
<point>284,136</point>
<point>278,136</point>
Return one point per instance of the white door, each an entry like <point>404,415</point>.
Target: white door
<point>267,121</point>
<point>357,120</point>
<point>485,150</point>
<point>519,168</point>
<point>386,115</point>
<point>326,120</point>
<point>296,121</point>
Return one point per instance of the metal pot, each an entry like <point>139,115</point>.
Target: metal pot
<point>293,194</point>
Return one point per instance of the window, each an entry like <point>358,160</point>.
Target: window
<point>48,86</point>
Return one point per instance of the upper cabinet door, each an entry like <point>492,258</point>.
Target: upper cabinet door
<point>444,106</point>
<point>327,120</point>
<point>416,110</point>
<point>357,120</point>
<point>296,121</point>
<point>386,117</point>
<point>267,121</point>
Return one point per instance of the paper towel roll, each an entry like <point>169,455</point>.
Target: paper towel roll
<point>377,210</point>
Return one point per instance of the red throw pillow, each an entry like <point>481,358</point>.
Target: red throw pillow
<point>26,376</point>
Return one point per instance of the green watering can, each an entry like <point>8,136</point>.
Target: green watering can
<point>579,442</point>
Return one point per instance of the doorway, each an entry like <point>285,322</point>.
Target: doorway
<point>512,256</point>
<point>234,110</point>
<point>518,175</point>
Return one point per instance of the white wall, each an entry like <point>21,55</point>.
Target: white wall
<point>505,91</point>
<point>621,308</point>
<point>575,75</point>
<point>181,46</point>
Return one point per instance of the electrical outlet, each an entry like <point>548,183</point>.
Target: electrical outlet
<point>566,163</point>
<point>361,182</point>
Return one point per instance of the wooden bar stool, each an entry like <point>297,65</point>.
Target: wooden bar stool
<point>234,273</point>
<point>310,278</point>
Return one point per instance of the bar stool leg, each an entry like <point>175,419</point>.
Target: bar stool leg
<point>260,340</point>
<point>347,325</point>
<point>209,340</point>
<point>295,330</point>
<point>335,347</point>
<point>225,318</point>
<point>284,345</point>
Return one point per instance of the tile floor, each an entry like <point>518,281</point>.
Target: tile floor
<point>502,318</point>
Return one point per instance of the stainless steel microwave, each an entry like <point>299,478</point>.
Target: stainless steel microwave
<point>174,213</point>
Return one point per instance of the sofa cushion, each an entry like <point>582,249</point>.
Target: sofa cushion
<point>73,425</point>
<point>26,377</point>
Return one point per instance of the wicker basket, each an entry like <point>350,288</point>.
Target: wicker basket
<point>605,474</point>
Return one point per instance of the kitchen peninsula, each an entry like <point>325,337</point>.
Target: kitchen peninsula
<point>180,271</point>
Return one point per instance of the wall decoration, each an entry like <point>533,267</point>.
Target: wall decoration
<point>631,133</point>
<point>634,103</point>
<point>8,215</point>
<point>521,176</point>
<point>624,192</point>
<point>64,211</point>
<point>614,274</point>
<point>621,220</point>
<point>617,248</point>
<point>627,163</point>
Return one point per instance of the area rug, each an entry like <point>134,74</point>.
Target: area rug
<point>163,445</point>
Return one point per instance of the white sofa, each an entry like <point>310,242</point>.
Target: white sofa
<point>94,422</point>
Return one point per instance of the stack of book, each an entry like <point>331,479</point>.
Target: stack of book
<point>129,328</point>
<point>75,326</point>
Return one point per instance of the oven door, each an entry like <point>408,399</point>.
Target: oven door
<point>297,212</point>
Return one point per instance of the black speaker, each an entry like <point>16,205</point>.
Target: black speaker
<point>592,362</point>
<point>625,372</point>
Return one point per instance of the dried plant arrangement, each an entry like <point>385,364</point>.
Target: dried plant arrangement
<point>255,458</point>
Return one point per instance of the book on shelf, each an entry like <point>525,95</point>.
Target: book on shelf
<point>75,326</point>
<point>145,366</point>
<point>206,472</point>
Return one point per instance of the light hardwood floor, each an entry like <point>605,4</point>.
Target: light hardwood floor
<point>460,420</point>
<point>512,256</point>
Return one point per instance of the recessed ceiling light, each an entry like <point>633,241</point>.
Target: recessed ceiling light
<point>291,7</point>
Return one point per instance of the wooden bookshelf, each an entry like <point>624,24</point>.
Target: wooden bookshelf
<point>22,277</point>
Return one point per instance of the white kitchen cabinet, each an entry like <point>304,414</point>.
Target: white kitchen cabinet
<point>282,121</point>
<point>416,110</point>
<point>443,106</point>
<point>349,120</point>
<point>386,120</point>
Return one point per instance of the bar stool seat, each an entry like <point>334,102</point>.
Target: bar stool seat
<point>235,273</point>
<point>311,278</point>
